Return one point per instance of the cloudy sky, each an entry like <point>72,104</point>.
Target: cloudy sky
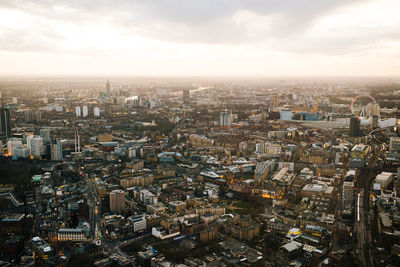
<point>200,37</point>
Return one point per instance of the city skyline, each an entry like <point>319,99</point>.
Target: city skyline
<point>190,38</point>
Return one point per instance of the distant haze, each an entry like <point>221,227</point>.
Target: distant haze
<point>207,37</point>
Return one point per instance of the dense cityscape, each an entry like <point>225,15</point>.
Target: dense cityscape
<point>199,172</point>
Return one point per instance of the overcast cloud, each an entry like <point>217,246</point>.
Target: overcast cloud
<point>188,37</point>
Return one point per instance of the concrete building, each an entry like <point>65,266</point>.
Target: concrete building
<point>5,123</point>
<point>138,222</point>
<point>117,201</point>
<point>56,153</point>
<point>45,133</point>
<point>35,145</point>
<point>13,144</point>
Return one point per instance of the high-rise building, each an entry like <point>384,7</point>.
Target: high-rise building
<point>96,111</point>
<point>45,133</point>
<point>354,127</point>
<point>225,119</point>
<point>28,115</point>
<point>20,152</point>
<point>5,123</point>
<point>186,96</point>
<point>56,153</point>
<point>38,114</point>
<point>117,201</point>
<point>35,145</point>
<point>12,145</point>
<point>372,109</point>
<point>78,111</point>
<point>85,111</point>
<point>108,88</point>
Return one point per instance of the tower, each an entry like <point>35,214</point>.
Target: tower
<point>77,141</point>
<point>5,123</point>
<point>45,133</point>
<point>186,96</point>
<point>225,119</point>
<point>85,111</point>
<point>108,87</point>
<point>56,150</point>
<point>78,111</point>
<point>117,201</point>
<point>354,127</point>
<point>96,111</point>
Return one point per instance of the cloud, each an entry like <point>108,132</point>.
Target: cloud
<point>207,21</point>
<point>250,34</point>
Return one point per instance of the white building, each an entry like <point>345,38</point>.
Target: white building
<point>35,145</point>
<point>85,111</point>
<point>138,222</point>
<point>12,144</point>
<point>384,179</point>
<point>78,111</point>
<point>96,111</point>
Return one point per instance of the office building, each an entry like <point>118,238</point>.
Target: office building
<point>45,133</point>
<point>5,123</point>
<point>225,119</point>
<point>28,115</point>
<point>138,222</point>
<point>117,201</point>
<point>12,145</point>
<point>38,116</point>
<point>56,153</point>
<point>35,145</point>
<point>20,152</point>
<point>108,88</point>
<point>354,127</point>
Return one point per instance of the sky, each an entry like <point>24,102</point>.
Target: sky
<point>200,37</point>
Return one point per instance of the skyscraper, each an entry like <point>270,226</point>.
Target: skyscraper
<point>35,145</point>
<point>354,127</point>
<point>96,111</point>
<point>117,201</point>
<point>45,133</point>
<point>186,96</point>
<point>78,111</point>
<point>85,111</point>
<point>108,88</point>
<point>56,150</point>
<point>225,119</point>
<point>5,123</point>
